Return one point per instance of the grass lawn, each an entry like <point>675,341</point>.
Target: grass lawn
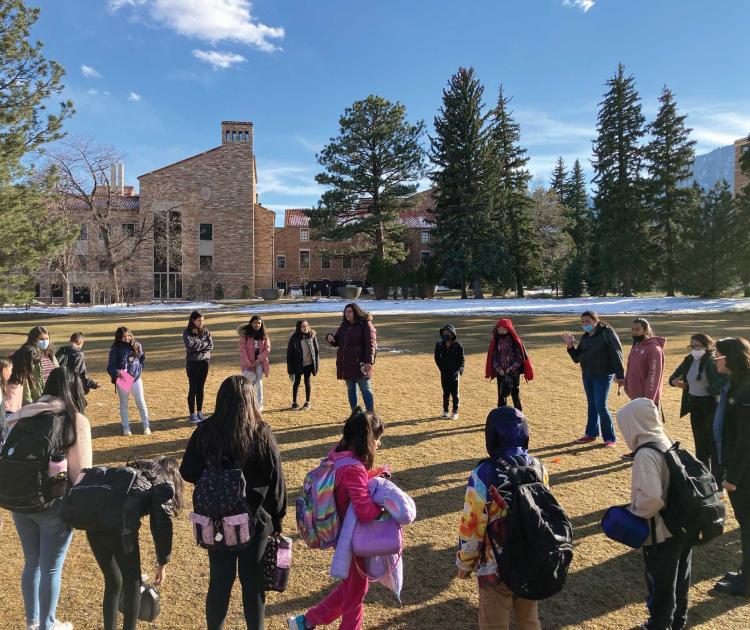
<point>431,459</point>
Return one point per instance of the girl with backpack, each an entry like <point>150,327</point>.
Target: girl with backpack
<point>302,360</point>
<point>357,346</point>
<point>360,441</point>
<point>156,492</point>
<point>507,360</point>
<point>255,350</point>
<point>198,345</point>
<point>44,536</point>
<point>44,360</point>
<point>126,355</point>
<point>19,383</point>
<point>236,436</point>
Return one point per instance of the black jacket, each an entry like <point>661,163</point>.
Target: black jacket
<point>198,344</point>
<point>708,368</point>
<point>599,353</point>
<point>266,487</point>
<point>735,437</point>
<point>295,356</point>
<point>450,360</point>
<point>74,359</point>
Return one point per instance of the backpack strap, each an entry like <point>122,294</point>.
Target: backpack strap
<point>346,461</point>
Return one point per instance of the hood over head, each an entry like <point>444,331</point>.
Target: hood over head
<point>450,328</point>
<point>505,322</point>
<point>640,422</point>
<point>506,432</point>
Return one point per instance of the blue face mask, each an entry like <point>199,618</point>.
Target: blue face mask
<point>42,344</point>
<point>589,328</point>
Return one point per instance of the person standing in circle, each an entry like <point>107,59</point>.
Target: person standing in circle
<point>255,349</point>
<point>198,345</point>
<point>701,384</point>
<point>44,359</point>
<point>599,354</point>
<point>507,360</point>
<point>302,360</point>
<point>357,346</point>
<point>126,355</point>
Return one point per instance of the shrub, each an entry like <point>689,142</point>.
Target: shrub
<point>219,292</point>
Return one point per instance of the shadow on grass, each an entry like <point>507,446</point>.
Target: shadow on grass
<point>581,474</point>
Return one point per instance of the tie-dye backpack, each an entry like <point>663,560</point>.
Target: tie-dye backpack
<point>317,519</point>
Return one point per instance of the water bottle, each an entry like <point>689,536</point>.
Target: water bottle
<point>283,563</point>
<point>57,470</point>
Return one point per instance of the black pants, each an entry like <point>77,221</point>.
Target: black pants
<point>740,500</point>
<point>450,390</point>
<point>122,577</point>
<point>306,373</point>
<point>668,567</point>
<point>509,385</point>
<point>223,568</point>
<point>702,412</point>
<point>197,372</point>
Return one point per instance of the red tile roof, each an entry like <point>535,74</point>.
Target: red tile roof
<point>296,217</point>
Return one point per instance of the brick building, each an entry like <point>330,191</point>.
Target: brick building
<point>741,146</point>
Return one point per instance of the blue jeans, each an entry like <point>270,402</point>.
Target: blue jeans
<point>44,540</point>
<point>597,391</point>
<point>364,387</point>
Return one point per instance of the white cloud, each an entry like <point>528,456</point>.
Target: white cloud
<point>89,72</point>
<point>288,180</point>
<point>217,59</point>
<point>309,145</point>
<point>208,20</point>
<point>717,125</point>
<point>93,92</point>
<point>541,128</point>
<point>584,5</point>
<point>134,96</point>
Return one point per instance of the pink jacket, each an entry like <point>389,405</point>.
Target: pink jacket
<point>247,353</point>
<point>643,377</point>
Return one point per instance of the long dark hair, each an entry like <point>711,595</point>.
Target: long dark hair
<point>191,326</point>
<point>164,469</point>
<point>359,313</point>
<point>298,329</point>
<point>120,337</point>
<point>362,430</point>
<point>66,384</point>
<point>23,364</point>
<point>705,340</point>
<point>236,428</point>
<point>737,353</point>
<point>249,331</point>
<point>34,334</point>
<point>5,363</point>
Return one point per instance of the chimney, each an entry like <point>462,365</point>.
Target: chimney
<point>113,177</point>
<point>237,132</point>
<point>122,179</point>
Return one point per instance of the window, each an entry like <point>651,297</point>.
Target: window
<point>102,265</point>
<point>128,229</point>
<point>346,262</point>
<point>84,235</point>
<point>56,290</point>
<point>102,232</point>
<point>280,262</point>
<point>82,263</point>
<point>425,256</point>
<point>304,259</point>
<point>325,261</point>
<point>425,236</point>
<point>207,263</point>
<point>304,234</point>
<point>206,232</point>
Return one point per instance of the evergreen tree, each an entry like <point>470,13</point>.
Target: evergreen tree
<point>576,202</point>
<point>743,221</point>
<point>371,169</point>
<point>511,202</point>
<point>462,207</point>
<point>29,236</point>
<point>669,163</point>
<point>621,223</point>
<point>559,177</point>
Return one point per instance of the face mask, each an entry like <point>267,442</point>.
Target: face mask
<point>638,338</point>
<point>698,354</point>
<point>42,344</point>
<point>447,337</point>
<point>588,328</point>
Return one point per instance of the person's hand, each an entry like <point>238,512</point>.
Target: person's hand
<point>330,339</point>
<point>291,378</point>
<point>94,385</point>
<point>159,574</point>
<point>501,372</point>
<point>367,369</point>
<point>568,339</point>
<point>463,575</point>
<point>620,381</point>
<point>731,487</point>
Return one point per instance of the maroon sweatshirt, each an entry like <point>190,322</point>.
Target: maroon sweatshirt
<point>643,378</point>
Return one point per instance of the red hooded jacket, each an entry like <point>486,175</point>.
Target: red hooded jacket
<point>528,369</point>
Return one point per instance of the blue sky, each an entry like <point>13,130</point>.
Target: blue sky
<point>154,78</point>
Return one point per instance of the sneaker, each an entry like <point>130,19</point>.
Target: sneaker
<point>585,439</point>
<point>193,418</point>
<point>61,625</point>
<point>445,415</point>
<point>295,406</point>
<point>126,432</point>
<point>201,417</point>
<point>731,575</point>
<point>306,407</point>
<point>454,415</point>
<point>298,623</point>
<point>32,626</point>
<point>736,588</point>
<point>609,444</point>
<point>146,431</point>
<point>629,456</point>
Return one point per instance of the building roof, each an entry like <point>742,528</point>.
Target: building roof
<point>187,159</point>
<point>296,217</point>
<point>129,202</point>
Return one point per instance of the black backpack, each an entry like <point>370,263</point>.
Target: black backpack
<point>98,501</point>
<point>538,549</point>
<point>25,485</point>
<point>694,510</point>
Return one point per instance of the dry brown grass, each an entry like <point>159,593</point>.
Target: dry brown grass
<point>431,459</point>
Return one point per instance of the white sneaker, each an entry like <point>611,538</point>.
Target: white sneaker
<point>201,417</point>
<point>445,414</point>
<point>146,431</point>
<point>61,625</point>
<point>32,626</point>
<point>193,418</point>
<point>126,432</point>
<point>454,415</point>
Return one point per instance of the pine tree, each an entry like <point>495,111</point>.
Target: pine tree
<point>621,226</point>
<point>371,169</point>
<point>743,222</point>
<point>669,163</point>
<point>576,202</point>
<point>29,235</point>
<point>462,209</point>
<point>558,182</point>
<point>511,201</point>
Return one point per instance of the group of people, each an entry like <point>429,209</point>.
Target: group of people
<point>714,378</point>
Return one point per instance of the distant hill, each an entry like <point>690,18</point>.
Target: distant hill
<point>714,166</point>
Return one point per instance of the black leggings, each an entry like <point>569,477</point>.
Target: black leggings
<point>223,568</point>
<point>509,385</point>
<point>702,412</point>
<point>450,390</point>
<point>306,373</point>
<point>197,372</point>
<point>122,576</point>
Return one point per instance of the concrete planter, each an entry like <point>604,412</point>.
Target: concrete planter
<point>270,295</point>
<point>349,293</point>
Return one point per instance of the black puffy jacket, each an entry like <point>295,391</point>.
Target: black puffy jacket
<point>295,356</point>
<point>599,353</point>
<point>449,359</point>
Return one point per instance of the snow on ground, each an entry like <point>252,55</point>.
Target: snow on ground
<point>438,306</point>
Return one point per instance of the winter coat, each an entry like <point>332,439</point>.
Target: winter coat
<point>356,343</point>
<point>254,352</point>
<point>640,423</point>
<point>35,387</point>
<point>295,356</point>
<point>449,359</point>
<point>735,436</point>
<point>266,486</point>
<point>643,378</point>
<point>715,381</point>
<point>599,353</point>
<point>74,359</point>
<point>198,345</point>
<point>524,362</point>
<point>122,356</point>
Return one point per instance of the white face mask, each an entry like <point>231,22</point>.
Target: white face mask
<point>698,354</point>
